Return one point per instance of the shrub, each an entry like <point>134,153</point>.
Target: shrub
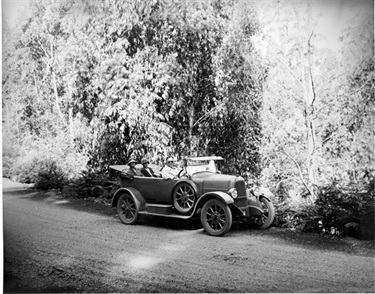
<point>45,173</point>
<point>90,184</point>
<point>337,210</point>
<point>342,209</point>
<point>47,162</point>
<point>27,168</point>
<point>10,152</point>
<point>295,213</point>
<point>7,166</point>
<point>51,177</point>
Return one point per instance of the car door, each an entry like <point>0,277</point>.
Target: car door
<point>154,190</point>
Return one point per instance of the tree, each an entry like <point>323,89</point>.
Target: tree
<point>301,103</point>
<point>349,137</point>
<point>142,78</point>
<point>233,125</point>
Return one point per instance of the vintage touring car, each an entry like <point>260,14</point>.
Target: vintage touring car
<point>216,198</point>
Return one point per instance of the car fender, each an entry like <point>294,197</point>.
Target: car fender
<point>264,196</point>
<point>218,195</point>
<point>265,192</point>
<point>139,200</point>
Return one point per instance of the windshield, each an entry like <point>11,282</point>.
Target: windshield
<point>201,165</point>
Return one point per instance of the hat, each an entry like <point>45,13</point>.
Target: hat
<point>145,160</point>
<point>169,158</point>
<point>132,161</point>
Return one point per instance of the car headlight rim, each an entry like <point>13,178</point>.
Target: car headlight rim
<point>257,192</point>
<point>233,192</point>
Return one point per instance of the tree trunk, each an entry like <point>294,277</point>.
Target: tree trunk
<point>310,98</point>
<point>55,85</point>
<point>57,96</point>
<point>191,125</point>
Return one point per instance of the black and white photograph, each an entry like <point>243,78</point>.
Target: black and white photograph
<point>188,146</point>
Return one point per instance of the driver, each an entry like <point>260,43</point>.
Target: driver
<point>169,171</point>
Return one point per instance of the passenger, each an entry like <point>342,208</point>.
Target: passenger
<point>133,171</point>
<point>169,171</point>
<point>212,166</point>
<point>183,172</point>
<point>145,170</point>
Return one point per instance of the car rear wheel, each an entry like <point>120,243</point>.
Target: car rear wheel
<point>127,209</point>
<point>267,217</point>
<point>184,197</point>
<point>216,217</point>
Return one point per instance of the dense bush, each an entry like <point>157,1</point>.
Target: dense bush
<point>338,211</point>
<point>90,184</point>
<point>47,162</point>
<point>294,213</point>
<point>50,177</point>
<point>44,173</point>
<point>7,166</point>
<point>342,210</point>
<point>27,169</point>
<point>10,153</point>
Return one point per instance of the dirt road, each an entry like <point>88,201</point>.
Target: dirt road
<point>54,245</point>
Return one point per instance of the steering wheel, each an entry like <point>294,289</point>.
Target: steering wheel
<point>186,174</point>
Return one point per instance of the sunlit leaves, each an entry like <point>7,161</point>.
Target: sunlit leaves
<point>147,78</point>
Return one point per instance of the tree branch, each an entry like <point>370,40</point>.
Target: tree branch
<point>210,112</point>
<point>45,51</point>
<point>287,67</point>
<point>299,169</point>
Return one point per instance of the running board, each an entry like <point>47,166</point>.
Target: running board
<point>159,208</point>
<point>162,210</point>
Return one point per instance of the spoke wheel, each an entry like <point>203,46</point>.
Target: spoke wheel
<point>267,217</point>
<point>216,217</point>
<point>184,198</point>
<point>127,209</point>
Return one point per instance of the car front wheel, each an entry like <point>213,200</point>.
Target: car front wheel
<point>267,217</point>
<point>127,209</point>
<point>216,217</point>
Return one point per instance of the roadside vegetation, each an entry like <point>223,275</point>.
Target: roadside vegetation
<point>87,84</point>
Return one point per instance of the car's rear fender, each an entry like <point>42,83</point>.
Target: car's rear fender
<point>140,202</point>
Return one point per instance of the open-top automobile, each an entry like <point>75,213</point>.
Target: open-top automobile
<point>216,198</point>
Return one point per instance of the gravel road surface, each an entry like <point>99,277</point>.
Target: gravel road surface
<point>55,245</point>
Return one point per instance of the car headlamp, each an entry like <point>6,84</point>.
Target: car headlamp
<point>257,192</point>
<point>233,192</point>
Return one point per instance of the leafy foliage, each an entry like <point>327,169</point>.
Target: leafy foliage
<point>313,97</point>
<point>49,176</point>
<point>91,184</point>
<point>337,210</point>
<point>140,79</point>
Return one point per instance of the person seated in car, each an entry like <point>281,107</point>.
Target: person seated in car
<point>169,171</point>
<point>146,170</point>
<point>133,171</point>
<point>183,169</point>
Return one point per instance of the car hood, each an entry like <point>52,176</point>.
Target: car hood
<point>217,182</point>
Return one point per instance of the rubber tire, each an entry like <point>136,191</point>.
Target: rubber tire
<point>216,217</point>
<point>184,198</point>
<point>127,209</point>
<point>265,221</point>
